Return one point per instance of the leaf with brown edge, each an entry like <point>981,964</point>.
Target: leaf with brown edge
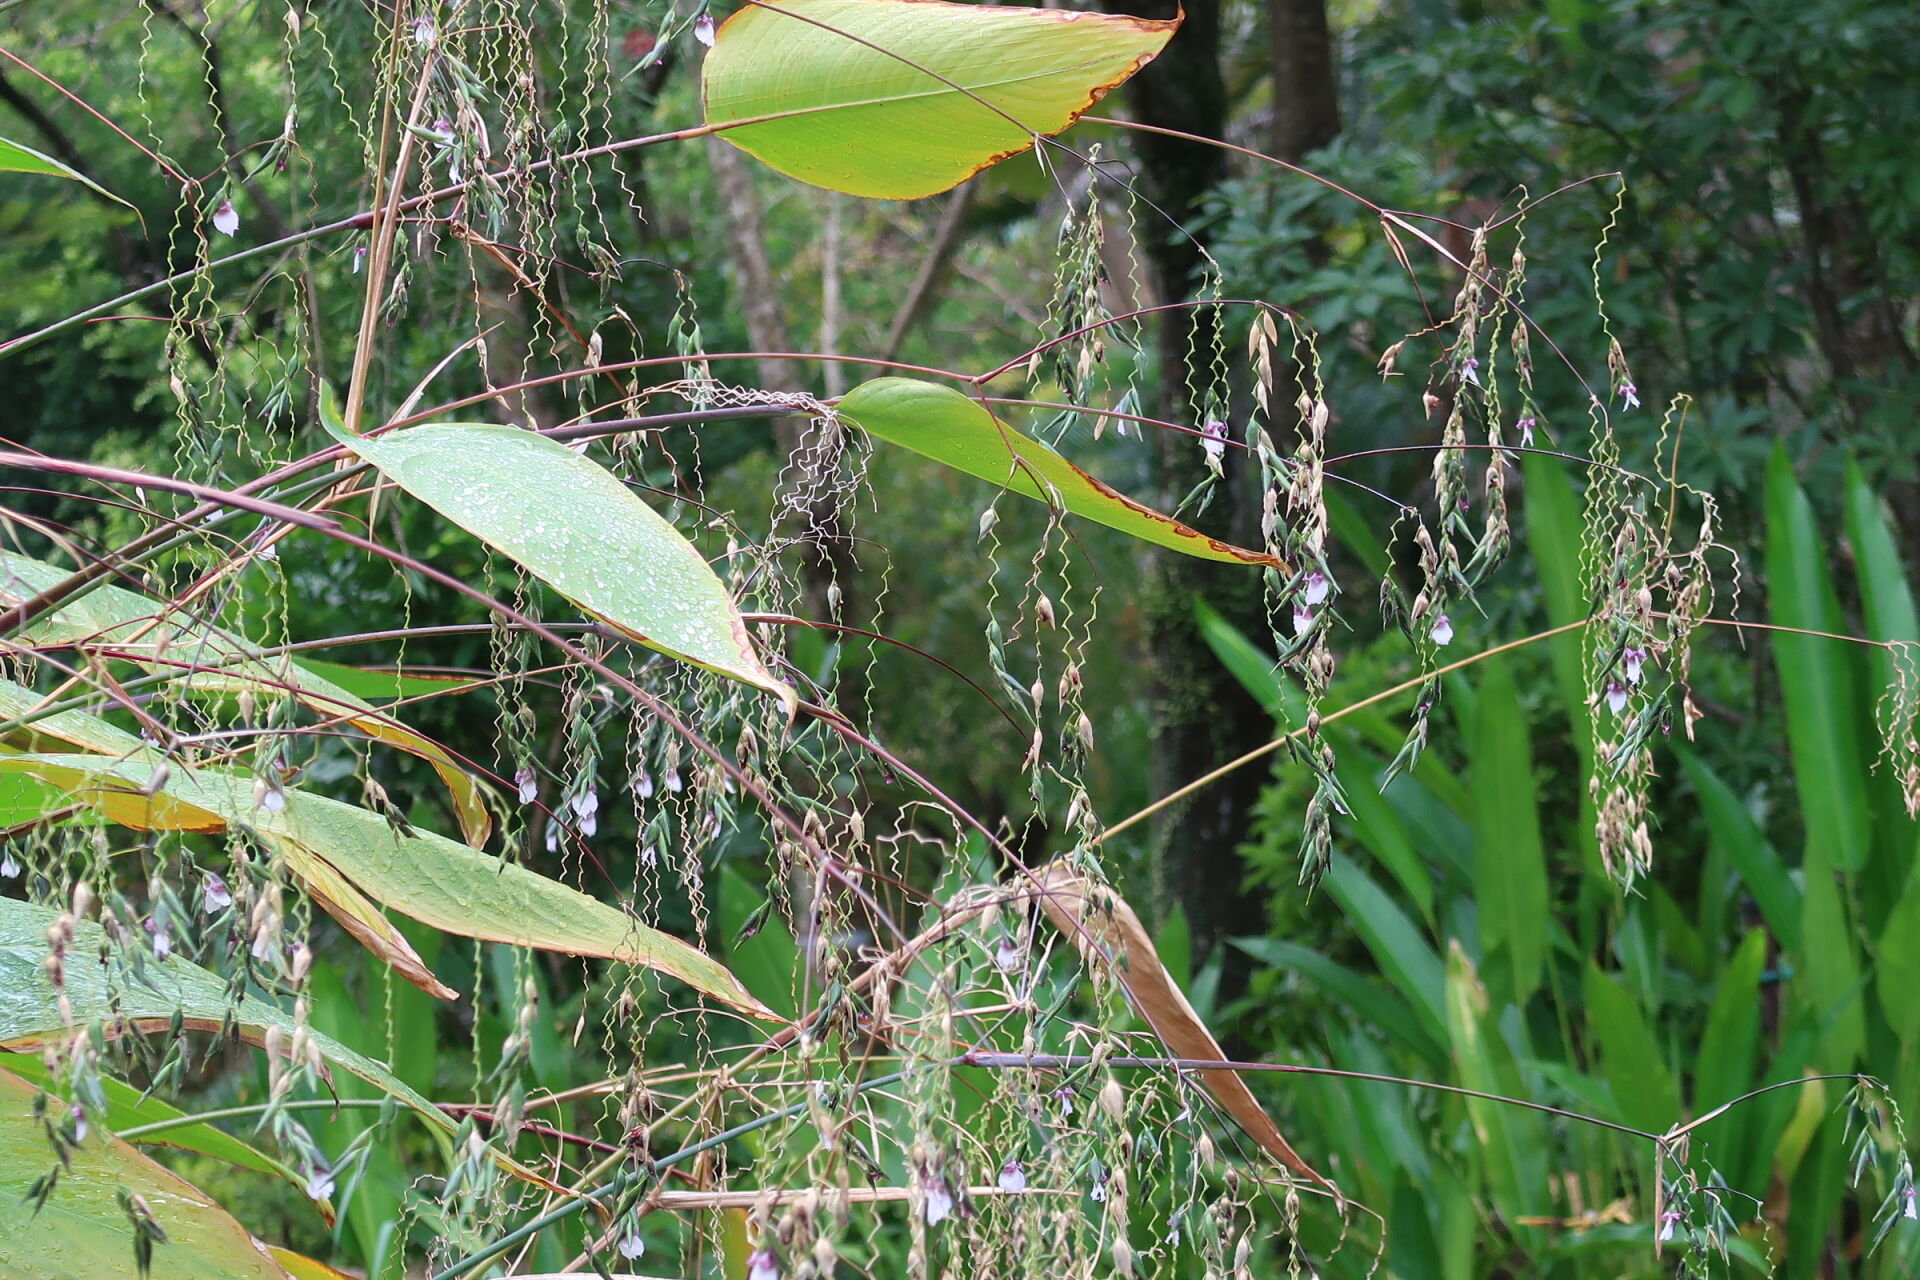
<point>1105,930</point>
<point>897,99</point>
<point>958,431</point>
<point>360,917</point>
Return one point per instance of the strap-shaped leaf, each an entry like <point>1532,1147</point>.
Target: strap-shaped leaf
<point>574,526</point>
<point>81,1232</point>
<point>951,428</point>
<point>904,98</point>
<point>117,618</point>
<point>338,848</point>
<point>15,158</point>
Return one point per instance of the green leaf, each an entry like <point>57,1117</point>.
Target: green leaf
<point>1724,1068</point>
<point>1378,1007</point>
<point>1817,677</point>
<point>1510,865</point>
<point>336,848</point>
<point>83,1233</point>
<point>372,682</point>
<point>15,158</point>
<point>1643,1089</point>
<point>117,997</point>
<point>1513,1144</point>
<point>1897,975</point>
<point>71,728</point>
<point>955,430</point>
<point>128,1108</point>
<point>1828,988</point>
<point>897,99</point>
<point>1739,837</point>
<point>132,623</point>
<point>574,526</point>
<point>1396,944</point>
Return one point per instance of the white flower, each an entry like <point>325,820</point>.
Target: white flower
<point>643,784</point>
<point>703,29</point>
<point>1006,957</point>
<point>1630,394</point>
<point>8,867</point>
<point>1471,370</point>
<point>1013,1177</point>
<point>1314,591</point>
<point>225,220</point>
<point>1632,659</point>
<point>359,258</point>
<point>1213,439</point>
<point>649,855</point>
<point>1912,1212</point>
<point>162,944</point>
<point>319,1182</point>
<point>1526,425</point>
<point>553,836</point>
<point>528,782</point>
<point>631,1245</point>
<point>213,894</point>
<point>1442,631</point>
<point>762,1266</point>
<point>1302,619</point>
<point>79,1123</point>
<point>1668,1221</point>
<point>673,779</point>
<point>1099,1192</point>
<point>1616,697</point>
<point>939,1202</point>
<point>587,803</point>
<point>423,32</point>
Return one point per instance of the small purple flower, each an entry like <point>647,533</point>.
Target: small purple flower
<point>1632,659</point>
<point>9,868</point>
<point>1470,370</point>
<point>553,837</point>
<point>1013,1177</point>
<point>423,32</point>
<point>631,1245</point>
<point>703,29</point>
<point>1912,1212</point>
<point>1526,425</point>
<point>1630,395</point>
<point>1316,587</point>
<point>939,1203</point>
<point>1213,439</point>
<point>213,894</point>
<point>225,219</point>
<point>649,855</point>
<point>586,807</point>
<point>1099,1192</point>
<point>1302,619</point>
<point>1668,1221</point>
<point>643,784</point>
<point>162,941</point>
<point>1616,697</point>
<point>319,1182</point>
<point>1442,631</point>
<point>79,1114</point>
<point>1006,956</point>
<point>761,1265</point>
<point>1063,1096</point>
<point>359,258</point>
<point>673,779</point>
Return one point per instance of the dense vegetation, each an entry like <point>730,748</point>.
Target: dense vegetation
<point>783,642</point>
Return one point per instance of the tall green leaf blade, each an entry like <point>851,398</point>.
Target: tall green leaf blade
<point>1510,866</point>
<point>1897,971</point>
<point>1513,1143</point>
<point>573,525</point>
<point>1404,956</point>
<point>1728,1050</point>
<point>904,98</point>
<point>1829,990</point>
<point>1738,836</point>
<point>1378,1007</point>
<point>1643,1087</point>
<point>82,1233</point>
<point>1817,677</point>
<point>957,431</point>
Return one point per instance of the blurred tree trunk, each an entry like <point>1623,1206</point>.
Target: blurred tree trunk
<point>1306,101</point>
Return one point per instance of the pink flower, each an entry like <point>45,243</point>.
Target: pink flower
<point>225,220</point>
<point>761,1265</point>
<point>1013,1177</point>
<point>1616,697</point>
<point>703,29</point>
<point>1442,631</point>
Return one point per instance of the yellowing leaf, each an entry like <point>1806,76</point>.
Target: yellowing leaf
<point>904,98</point>
<point>337,848</point>
<point>126,621</point>
<point>573,525</point>
<point>1106,931</point>
<point>951,428</point>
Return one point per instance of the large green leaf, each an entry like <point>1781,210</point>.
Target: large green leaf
<point>951,428</point>
<point>1377,1006</point>
<point>1817,678</point>
<point>1398,948</point>
<point>15,158</point>
<point>340,850</point>
<point>1643,1087</point>
<point>83,1233</point>
<point>1510,866</point>
<point>1737,836</point>
<point>904,98</point>
<point>128,1108</point>
<point>573,525</point>
<point>148,1000</point>
<point>1828,989</point>
<point>72,728</point>
<point>127,622</point>
<point>1513,1144</point>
